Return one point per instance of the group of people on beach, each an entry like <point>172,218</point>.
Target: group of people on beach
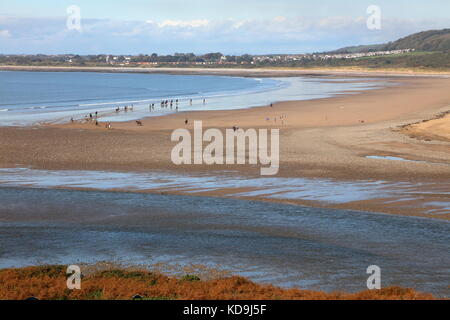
<point>281,119</point>
<point>91,117</point>
<point>126,108</point>
<point>165,104</point>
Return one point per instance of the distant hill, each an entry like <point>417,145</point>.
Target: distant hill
<point>363,48</point>
<point>433,40</point>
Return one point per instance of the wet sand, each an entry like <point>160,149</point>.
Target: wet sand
<point>426,199</point>
<point>324,138</point>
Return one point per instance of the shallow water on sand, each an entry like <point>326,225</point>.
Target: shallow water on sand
<point>282,244</point>
<point>403,159</point>
<point>320,190</point>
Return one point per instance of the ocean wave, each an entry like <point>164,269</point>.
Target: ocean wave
<point>37,107</point>
<point>3,110</point>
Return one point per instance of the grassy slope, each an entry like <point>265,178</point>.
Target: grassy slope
<point>414,61</point>
<point>49,282</point>
<point>431,40</point>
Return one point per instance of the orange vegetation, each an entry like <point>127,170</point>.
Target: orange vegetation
<point>49,282</point>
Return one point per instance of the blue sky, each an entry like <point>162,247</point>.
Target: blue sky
<point>199,26</point>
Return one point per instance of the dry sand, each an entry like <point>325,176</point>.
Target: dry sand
<point>320,138</point>
<point>242,72</point>
<point>434,129</point>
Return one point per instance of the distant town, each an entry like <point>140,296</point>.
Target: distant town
<point>427,50</point>
<point>186,59</point>
<point>324,56</point>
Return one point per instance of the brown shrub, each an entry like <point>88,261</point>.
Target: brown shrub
<point>49,283</point>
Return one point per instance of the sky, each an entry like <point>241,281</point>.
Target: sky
<point>201,26</point>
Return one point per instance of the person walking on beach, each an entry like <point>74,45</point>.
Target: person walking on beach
<point>186,121</point>
<point>190,102</point>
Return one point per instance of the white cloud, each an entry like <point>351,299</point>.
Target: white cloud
<point>278,34</point>
<point>5,33</point>
<point>183,24</point>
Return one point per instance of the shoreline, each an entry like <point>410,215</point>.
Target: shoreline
<point>270,90</point>
<point>240,72</point>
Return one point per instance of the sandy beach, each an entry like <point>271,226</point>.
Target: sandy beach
<point>431,129</point>
<point>323,138</point>
<point>214,153</point>
<point>240,72</point>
